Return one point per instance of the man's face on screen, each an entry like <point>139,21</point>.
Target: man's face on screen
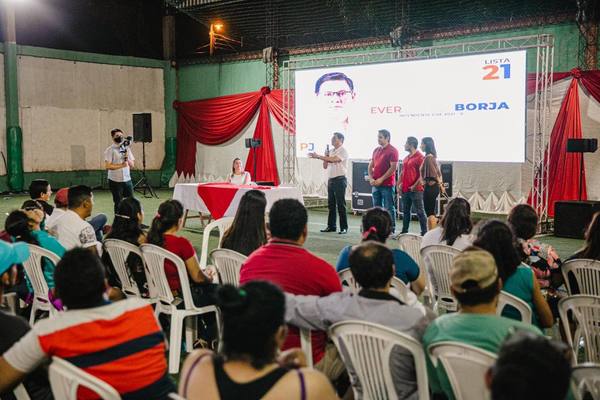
<point>334,96</point>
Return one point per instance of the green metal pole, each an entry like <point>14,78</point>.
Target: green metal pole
<point>170,83</point>
<point>14,135</point>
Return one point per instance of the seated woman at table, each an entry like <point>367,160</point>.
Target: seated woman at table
<point>247,232</point>
<point>238,176</point>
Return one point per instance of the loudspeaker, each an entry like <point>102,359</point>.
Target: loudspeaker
<point>142,127</point>
<point>582,145</point>
<point>446,169</point>
<point>571,218</point>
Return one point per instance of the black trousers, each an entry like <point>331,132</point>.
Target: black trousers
<point>120,190</point>
<point>336,192</point>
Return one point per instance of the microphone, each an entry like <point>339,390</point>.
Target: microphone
<point>327,151</point>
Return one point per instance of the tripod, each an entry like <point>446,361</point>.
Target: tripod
<point>142,185</point>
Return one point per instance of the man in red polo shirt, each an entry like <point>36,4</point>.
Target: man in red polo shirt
<point>285,262</point>
<point>382,175</point>
<point>411,186</point>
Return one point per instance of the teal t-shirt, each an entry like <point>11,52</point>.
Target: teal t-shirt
<point>484,331</point>
<point>520,284</point>
<point>49,243</point>
<point>407,269</point>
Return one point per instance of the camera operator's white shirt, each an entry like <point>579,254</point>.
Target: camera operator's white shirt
<point>113,156</point>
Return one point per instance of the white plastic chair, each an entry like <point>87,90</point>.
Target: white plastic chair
<point>306,346</point>
<point>366,349</point>
<point>20,393</point>
<point>585,311</point>
<point>228,264</point>
<point>507,299</point>
<point>65,379</point>
<point>411,244</point>
<point>34,271</point>
<point>465,367</point>
<point>586,273</point>
<point>398,288</point>
<point>118,251</point>
<point>438,261</point>
<point>155,257</point>
<point>222,224</point>
<point>10,301</point>
<point>586,379</point>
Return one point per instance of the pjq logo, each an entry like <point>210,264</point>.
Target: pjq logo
<point>307,147</point>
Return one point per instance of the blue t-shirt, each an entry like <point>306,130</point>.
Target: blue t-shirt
<point>49,243</point>
<point>520,284</point>
<point>407,269</point>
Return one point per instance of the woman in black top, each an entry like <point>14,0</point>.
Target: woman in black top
<point>247,232</point>
<point>431,177</point>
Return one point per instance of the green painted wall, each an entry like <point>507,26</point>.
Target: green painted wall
<point>203,81</point>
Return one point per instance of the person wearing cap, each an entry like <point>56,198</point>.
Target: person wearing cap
<point>475,284</point>
<point>13,328</point>
<point>61,202</point>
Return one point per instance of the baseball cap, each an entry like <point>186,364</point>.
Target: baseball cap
<point>61,198</point>
<point>12,253</point>
<point>473,269</point>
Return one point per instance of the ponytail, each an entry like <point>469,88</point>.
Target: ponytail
<point>168,215</point>
<point>377,225</point>
<point>17,226</point>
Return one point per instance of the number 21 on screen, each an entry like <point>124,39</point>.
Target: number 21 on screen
<point>492,72</point>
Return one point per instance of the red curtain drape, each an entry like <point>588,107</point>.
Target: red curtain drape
<point>219,120</point>
<point>564,168</point>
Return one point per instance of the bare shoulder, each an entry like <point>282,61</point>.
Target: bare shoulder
<point>198,360</point>
<point>316,384</point>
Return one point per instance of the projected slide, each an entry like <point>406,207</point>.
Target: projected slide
<point>473,106</point>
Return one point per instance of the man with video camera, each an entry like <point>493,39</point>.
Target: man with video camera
<point>118,159</point>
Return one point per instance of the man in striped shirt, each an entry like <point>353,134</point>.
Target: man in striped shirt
<point>120,343</point>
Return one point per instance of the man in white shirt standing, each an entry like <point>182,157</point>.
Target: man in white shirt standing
<point>118,159</point>
<point>336,164</point>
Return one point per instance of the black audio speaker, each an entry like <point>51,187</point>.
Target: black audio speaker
<point>142,127</point>
<point>571,218</point>
<point>582,145</point>
<point>446,169</point>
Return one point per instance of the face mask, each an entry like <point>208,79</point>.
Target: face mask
<point>118,139</point>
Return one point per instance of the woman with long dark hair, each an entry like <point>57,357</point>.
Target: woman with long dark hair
<point>166,223</point>
<point>517,278</point>
<point>238,176</point>
<point>432,180</point>
<point>247,232</point>
<point>127,226</point>
<point>591,248</point>
<point>377,226</point>
<point>248,368</point>
<point>455,226</point>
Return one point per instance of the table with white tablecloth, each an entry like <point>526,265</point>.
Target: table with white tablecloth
<point>222,199</point>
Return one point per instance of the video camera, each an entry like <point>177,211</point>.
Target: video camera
<point>125,144</point>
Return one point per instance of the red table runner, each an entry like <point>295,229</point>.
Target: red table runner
<point>218,196</point>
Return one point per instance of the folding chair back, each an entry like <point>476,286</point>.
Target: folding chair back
<point>586,273</point>
<point>66,379</point>
<point>228,264</point>
<point>119,251</point>
<point>586,380</point>
<point>221,225</point>
<point>438,262</point>
<point>585,312</point>
<point>35,273</point>
<point>366,349</point>
<point>465,366</point>
<point>507,299</point>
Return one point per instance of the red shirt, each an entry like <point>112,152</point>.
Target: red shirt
<point>382,157</point>
<point>296,271</point>
<point>411,171</point>
<point>183,248</point>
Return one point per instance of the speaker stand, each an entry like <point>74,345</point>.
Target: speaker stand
<point>142,186</point>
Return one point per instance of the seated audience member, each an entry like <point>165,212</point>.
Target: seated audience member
<point>165,225</point>
<point>13,328</point>
<point>542,257</point>
<point>247,233</point>
<point>455,229</point>
<point>591,248</point>
<point>61,203</point>
<point>248,367</point>
<point>238,176</point>
<point>518,279</point>
<point>40,190</point>
<point>127,226</point>
<point>72,230</point>
<point>530,367</point>
<point>24,226</point>
<point>285,262</point>
<point>120,343</point>
<point>377,225</point>
<point>372,265</point>
<point>476,285</point>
